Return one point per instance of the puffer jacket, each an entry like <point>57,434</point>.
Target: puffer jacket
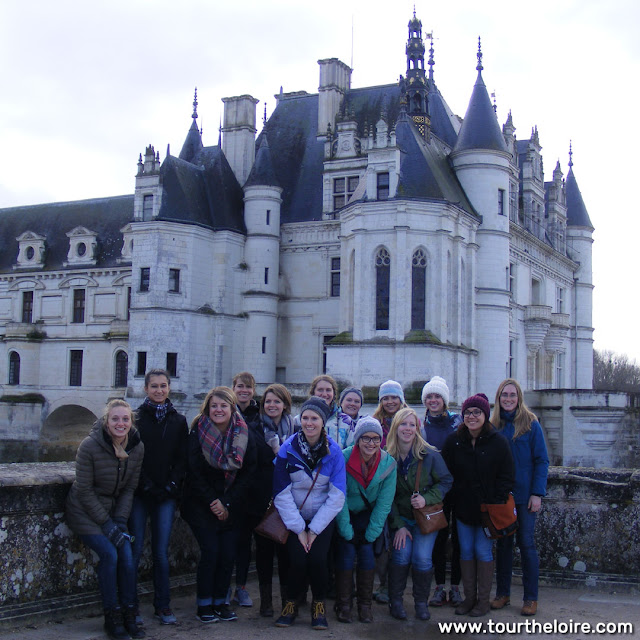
<point>104,484</point>
<point>436,429</point>
<point>435,482</point>
<point>530,458</point>
<point>292,480</point>
<point>379,493</point>
<point>483,473</point>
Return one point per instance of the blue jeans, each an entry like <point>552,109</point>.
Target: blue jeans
<point>348,552</point>
<point>417,552</point>
<point>528,556</point>
<point>116,573</point>
<point>161,515</point>
<point>474,545</point>
<point>217,557</point>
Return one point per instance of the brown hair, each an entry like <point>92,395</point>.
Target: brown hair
<point>224,393</point>
<point>156,372</point>
<point>112,404</point>
<point>523,417</point>
<point>281,392</point>
<point>246,377</point>
<point>324,377</point>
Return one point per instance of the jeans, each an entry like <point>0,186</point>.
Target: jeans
<point>474,545</point>
<point>528,557</point>
<point>265,551</point>
<point>217,556</point>
<point>417,552</point>
<point>348,552</point>
<point>116,573</point>
<point>161,515</point>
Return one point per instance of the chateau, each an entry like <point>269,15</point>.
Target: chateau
<point>367,232</point>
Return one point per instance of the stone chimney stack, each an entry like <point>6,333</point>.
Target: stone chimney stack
<point>239,134</point>
<point>335,81</point>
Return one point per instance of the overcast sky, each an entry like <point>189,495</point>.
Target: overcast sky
<point>87,85</point>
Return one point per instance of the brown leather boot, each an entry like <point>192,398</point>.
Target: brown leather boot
<point>344,601</point>
<point>364,594</point>
<point>485,580</point>
<point>529,608</point>
<point>500,602</point>
<point>469,584</point>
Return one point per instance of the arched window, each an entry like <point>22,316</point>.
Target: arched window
<point>122,366</point>
<point>14,368</point>
<point>383,272</point>
<point>418,289</point>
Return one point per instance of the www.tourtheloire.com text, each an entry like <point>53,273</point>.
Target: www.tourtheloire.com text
<point>533,626</point>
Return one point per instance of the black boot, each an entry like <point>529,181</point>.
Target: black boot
<point>129,615</point>
<point>266,601</point>
<point>114,624</point>
<point>397,583</point>
<point>421,588</point>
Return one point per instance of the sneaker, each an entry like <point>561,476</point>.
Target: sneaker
<point>439,596</point>
<point>205,614</point>
<point>224,613</point>
<point>288,615</point>
<point>242,597</point>
<point>165,616</point>
<point>318,616</point>
<point>455,597</point>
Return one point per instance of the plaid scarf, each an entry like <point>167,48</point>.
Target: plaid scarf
<point>226,450</point>
<point>161,409</point>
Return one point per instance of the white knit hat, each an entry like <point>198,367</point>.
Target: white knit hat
<point>436,385</point>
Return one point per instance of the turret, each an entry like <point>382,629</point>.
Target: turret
<point>148,191</point>
<point>193,142</point>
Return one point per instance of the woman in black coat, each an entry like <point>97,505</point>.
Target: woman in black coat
<point>481,464</point>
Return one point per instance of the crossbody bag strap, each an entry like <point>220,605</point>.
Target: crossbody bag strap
<point>418,474</point>
<point>311,487</point>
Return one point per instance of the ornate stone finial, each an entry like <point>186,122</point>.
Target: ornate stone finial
<point>431,60</point>
<point>194,115</point>
<point>570,155</point>
<point>495,103</point>
<point>414,11</point>
<point>264,119</point>
<point>479,66</point>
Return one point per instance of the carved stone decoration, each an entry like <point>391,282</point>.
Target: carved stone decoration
<point>31,251</point>
<point>82,247</point>
<point>599,426</point>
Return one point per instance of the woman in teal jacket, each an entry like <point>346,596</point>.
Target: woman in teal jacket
<point>371,487</point>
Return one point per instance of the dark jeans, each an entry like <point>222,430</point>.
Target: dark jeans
<point>243,548</point>
<point>217,556</point>
<point>265,551</point>
<point>440,550</point>
<point>311,567</point>
<point>348,553</point>
<point>528,557</point>
<point>161,515</point>
<point>116,573</point>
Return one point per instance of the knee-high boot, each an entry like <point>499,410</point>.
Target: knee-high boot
<point>364,594</point>
<point>421,588</point>
<point>344,601</point>
<point>485,580</point>
<point>469,583</point>
<point>397,584</point>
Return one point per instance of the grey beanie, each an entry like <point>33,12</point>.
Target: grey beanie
<point>351,390</point>
<point>391,388</point>
<point>436,385</point>
<point>319,406</point>
<point>367,424</point>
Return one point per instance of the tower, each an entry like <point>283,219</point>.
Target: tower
<point>415,86</point>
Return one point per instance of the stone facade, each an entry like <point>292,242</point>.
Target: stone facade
<point>367,232</point>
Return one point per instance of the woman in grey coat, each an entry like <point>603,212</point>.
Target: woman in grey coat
<point>108,466</point>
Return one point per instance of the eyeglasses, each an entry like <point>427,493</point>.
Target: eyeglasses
<point>371,440</point>
<point>476,413</point>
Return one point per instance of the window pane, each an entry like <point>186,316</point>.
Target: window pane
<point>418,284</point>
<point>353,183</point>
<point>75,368</point>
<point>338,185</point>
<point>14,368</point>
<point>78,305</point>
<point>383,186</point>
<point>383,272</point>
<point>122,363</point>
<point>27,306</point>
<point>145,275</point>
<point>174,280</point>
<point>172,364</point>
<point>141,367</point>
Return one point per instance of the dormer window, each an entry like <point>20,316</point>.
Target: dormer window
<point>82,247</point>
<point>343,190</point>
<point>31,249</point>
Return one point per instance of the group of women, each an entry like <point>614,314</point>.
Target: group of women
<point>345,485</point>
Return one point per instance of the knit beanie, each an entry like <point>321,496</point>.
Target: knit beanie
<point>367,424</point>
<point>355,390</point>
<point>391,388</point>
<point>436,385</point>
<point>319,406</point>
<point>480,401</point>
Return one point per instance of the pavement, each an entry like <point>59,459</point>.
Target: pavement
<point>560,611</point>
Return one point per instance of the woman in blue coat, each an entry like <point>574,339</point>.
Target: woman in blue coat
<point>519,425</point>
<point>371,487</point>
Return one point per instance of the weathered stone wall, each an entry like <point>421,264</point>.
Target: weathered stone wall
<point>587,533</point>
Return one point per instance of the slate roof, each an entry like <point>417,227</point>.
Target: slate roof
<point>262,172</point>
<point>204,192</point>
<point>105,216</point>
<point>192,144</point>
<point>577,215</point>
<point>480,128</point>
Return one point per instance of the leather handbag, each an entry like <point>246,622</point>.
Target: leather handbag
<point>431,517</point>
<point>499,520</point>
<point>271,526</point>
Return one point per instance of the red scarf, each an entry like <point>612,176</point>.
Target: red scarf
<point>362,471</point>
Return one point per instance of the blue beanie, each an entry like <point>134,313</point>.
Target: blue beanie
<point>391,388</point>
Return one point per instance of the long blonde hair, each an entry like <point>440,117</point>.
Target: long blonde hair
<point>523,417</point>
<point>419,447</point>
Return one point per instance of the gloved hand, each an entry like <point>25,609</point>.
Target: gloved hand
<point>113,533</point>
